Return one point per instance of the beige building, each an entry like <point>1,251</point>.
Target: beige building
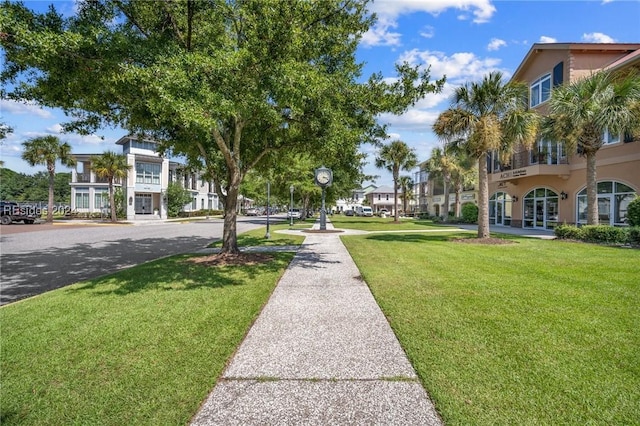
<point>145,186</point>
<point>546,186</point>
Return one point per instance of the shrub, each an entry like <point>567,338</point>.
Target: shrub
<point>633,236</point>
<point>604,234</point>
<point>470,213</point>
<point>633,212</point>
<point>568,232</point>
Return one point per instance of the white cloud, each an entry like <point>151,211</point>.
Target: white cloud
<point>428,32</point>
<point>482,10</point>
<point>496,44</point>
<point>14,107</point>
<point>546,39</point>
<point>55,129</point>
<point>597,38</point>
<point>415,119</point>
<point>380,34</point>
<point>458,67</point>
<point>388,11</point>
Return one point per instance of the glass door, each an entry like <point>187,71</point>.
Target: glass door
<point>143,204</point>
<point>604,209</point>
<point>540,214</point>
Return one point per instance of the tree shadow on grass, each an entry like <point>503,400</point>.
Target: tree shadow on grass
<point>178,273</point>
<point>418,238</point>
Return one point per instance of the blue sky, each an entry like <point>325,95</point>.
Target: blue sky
<point>462,39</point>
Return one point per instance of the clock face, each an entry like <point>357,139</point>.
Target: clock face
<point>323,177</point>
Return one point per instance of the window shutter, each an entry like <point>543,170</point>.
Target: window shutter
<point>628,137</point>
<point>558,71</point>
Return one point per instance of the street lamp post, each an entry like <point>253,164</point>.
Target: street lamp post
<point>291,188</point>
<point>268,235</point>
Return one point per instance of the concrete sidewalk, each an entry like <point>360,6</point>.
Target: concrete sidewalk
<point>320,353</point>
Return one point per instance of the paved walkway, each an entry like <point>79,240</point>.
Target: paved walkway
<point>320,353</point>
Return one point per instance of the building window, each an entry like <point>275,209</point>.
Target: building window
<point>148,173</point>
<point>194,203</point>
<point>540,90</point>
<point>540,209</point>
<point>609,138</point>
<point>101,199</point>
<point>82,198</point>
<point>500,209</point>
<point>613,201</point>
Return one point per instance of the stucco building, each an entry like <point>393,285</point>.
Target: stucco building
<point>546,186</point>
<point>145,187</point>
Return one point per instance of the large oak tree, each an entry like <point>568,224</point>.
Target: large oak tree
<point>224,82</point>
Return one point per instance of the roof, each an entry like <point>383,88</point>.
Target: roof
<point>629,48</point>
<point>384,189</point>
<point>124,140</point>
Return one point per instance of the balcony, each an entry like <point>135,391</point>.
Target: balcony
<point>527,163</point>
<point>86,178</point>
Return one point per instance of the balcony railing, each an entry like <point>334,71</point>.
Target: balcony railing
<point>86,178</point>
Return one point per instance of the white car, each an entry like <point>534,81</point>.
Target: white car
<point>295,213</point>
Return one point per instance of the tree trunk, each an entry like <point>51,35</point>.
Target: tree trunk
<point>445,205</point>
<point>483,198</point>
<point>593,217</point>
<point>230,234</point>
<point>112,203</point>
<point>457,201</point>
<point>395,196</point>
<point>52,176</point>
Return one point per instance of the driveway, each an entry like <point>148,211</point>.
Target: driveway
<point>39,258</point>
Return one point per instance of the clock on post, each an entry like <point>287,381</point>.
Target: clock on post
<point>324,177</point>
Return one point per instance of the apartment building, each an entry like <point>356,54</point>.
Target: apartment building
<point>145,187</point>
<point>546,186</point>
<point>430,198</point>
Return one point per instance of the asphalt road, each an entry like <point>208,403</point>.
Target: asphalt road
<point>38,258</point>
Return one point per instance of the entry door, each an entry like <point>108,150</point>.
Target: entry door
<point>499,212</point>
<point>604,209</point>
<point>540,214</point>
<point>143,204</point>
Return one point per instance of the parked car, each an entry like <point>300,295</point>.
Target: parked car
<point>12,212</point>
<point>251,212</point>
<point>364,211</point>
<point>349,212</point>
<point>295,213</point>
<point>383,212</point>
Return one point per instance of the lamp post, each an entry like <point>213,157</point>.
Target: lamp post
<point>323,214</point>
<point>291,188</point>
<point>268,235</point>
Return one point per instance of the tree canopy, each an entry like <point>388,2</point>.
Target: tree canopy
<point>224,82</point>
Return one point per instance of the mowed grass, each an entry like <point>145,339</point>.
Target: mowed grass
<point>531,333</point>
<point>376,223</point>
<point>142,346</point>
<point>256,237</point>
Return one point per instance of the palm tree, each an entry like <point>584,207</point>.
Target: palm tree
<point>111,166</point>
<point>464,174</point>
<point>442,165</point>
<point>406,185</point>
<point>581,112</point>
<point>395,157</point>
<point>483,117</point>
<point>47,150</point>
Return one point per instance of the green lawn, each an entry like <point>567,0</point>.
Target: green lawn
<point>537,332</point>
<point>142,346</point>
<point>256,237</point>
<point>383,224</point>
